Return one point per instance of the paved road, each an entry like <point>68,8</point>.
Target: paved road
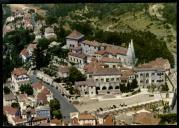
<point>65,106</point>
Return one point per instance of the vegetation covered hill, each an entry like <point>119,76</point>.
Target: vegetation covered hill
<point>154,33</point>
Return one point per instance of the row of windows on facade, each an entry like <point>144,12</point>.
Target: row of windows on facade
<point>147,74</point>
<point>153,81</point>
<point>24,78</point>
<point>75,60</point>
<point>103,88</point>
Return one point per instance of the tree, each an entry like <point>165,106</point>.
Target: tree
<point>26,88</point>
<point>15,105</point>
<point>134,84</point>
<point>43,43</point>
<point>6,90</point>
<point>57,114</point>
<point>55,108</point>
<point>75,75</point>
<point>164,87</point>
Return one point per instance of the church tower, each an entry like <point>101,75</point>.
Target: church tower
<point>131,54</point>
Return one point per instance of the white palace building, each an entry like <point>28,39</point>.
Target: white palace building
<point>107,66</point>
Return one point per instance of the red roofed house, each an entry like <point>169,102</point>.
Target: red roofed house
<point>77,58</point>
<point>19,77</point>
<point>105,120</point>
<point>74,39</point>
<point>41,99</point>
<point>24,55</point>
<point>37,87</point>
<point>82,119</point>
<point>31,47</point>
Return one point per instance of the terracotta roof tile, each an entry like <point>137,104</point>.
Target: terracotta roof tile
<point>18,119</point>
<point>24,52</point>
<point>19,71</point>
<point>10,96</point>
<point>56,121</point>
<point>37,85</point>
<point>75,35</point>
<point>42,97</point>
<point>157,64</point>
<point>108,120</point>
<point>126,73</point>
<point>94,65</point>
<point>86,116</point>
<point>10,110</point>
<point>45,91</point>
<point>91,43</point>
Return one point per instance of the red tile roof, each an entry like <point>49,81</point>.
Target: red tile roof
<point>19,71</point>
<point>78,55</point>
<point>42,97</point>
<point>37,85</point>
<point>24,52</point>
<point>45,91</point>
<point>86,116</point>
<point>22,97</point>
<point>114,51</point>
<point>158,63</point>
<point>10,110</point>
<point>108,120</point>
<point>101,52</point>
<point>18,119</point>
<point>109,60</point>
<point>91,43</point>
<point>94,65</point>
<point>75,35</point>
<point>126,73</point>
<point>56,121</point>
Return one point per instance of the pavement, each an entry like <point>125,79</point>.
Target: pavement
<point>135,99</point>
<point>65,106</point>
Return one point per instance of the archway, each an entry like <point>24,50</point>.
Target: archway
<point>110,88</point>
<point>104,88</point>
<point>117,87</point>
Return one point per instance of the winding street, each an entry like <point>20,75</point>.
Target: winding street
<point>65,106</point>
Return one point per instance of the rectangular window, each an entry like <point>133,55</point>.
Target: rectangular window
<point>117,79</point>
<point>107,79</point>
<point>112,79</point>
<point>102,80</point>
<point>153,74</point>
<point>96,80</point>
<point>141,74</point>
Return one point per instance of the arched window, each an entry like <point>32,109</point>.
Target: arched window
<point>117,87</point>
<point>97,88</point>
<point>104,88</point>
<point>110,88</point>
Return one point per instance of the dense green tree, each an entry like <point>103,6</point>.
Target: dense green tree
<point>15,105</point>
<point>134,84</point>
<point>43,43</point>
<point>57,114</point>
<point>55,109</point>
<point>26,88</point>
<point>75,75</point>
<point>6,90</point>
